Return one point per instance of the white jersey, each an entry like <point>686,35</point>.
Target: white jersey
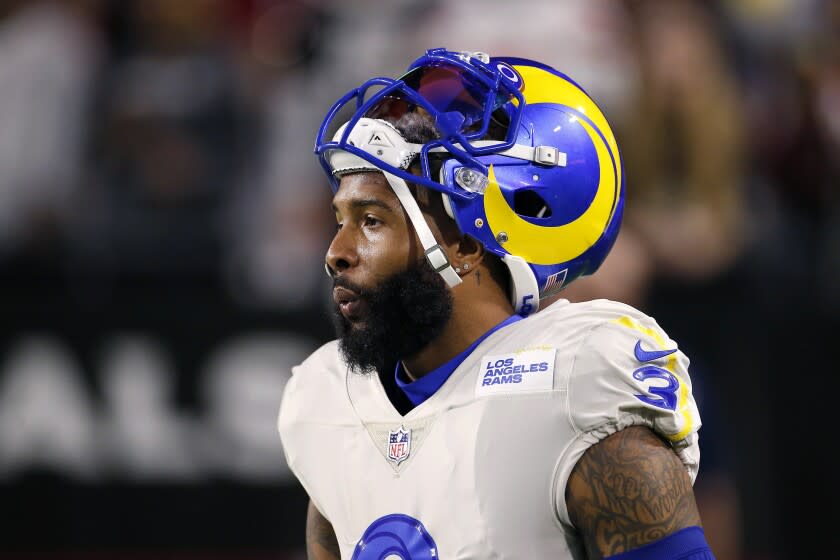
<point>479,470</point>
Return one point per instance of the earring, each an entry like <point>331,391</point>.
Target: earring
<point>458,269</point>
<point>466,266</point>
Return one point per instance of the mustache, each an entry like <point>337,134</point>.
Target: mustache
<point>342,282</point>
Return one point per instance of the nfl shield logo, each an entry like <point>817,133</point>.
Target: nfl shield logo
<point>399,445</point>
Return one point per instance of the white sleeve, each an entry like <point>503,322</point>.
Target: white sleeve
<point>622,377</point>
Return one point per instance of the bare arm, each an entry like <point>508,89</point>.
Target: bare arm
<point>629,490</point>
<point>321,543</point>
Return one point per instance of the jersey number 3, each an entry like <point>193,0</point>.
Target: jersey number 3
<point>396,537</point>
<point>661,396</point>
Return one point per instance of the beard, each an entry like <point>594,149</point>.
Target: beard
<point>403,315</point>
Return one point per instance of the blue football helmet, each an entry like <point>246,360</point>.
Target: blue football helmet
<point>528,164</point>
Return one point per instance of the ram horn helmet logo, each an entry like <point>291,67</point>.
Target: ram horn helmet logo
<point>399,445</point>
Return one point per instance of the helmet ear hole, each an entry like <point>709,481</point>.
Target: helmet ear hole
<point>530,204</point>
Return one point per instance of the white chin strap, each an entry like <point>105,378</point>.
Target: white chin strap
<point>434,252</point>
<point>380,139</point>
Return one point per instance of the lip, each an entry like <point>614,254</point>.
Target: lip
<point>348,302</point>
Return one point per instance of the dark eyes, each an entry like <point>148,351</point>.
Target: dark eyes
<point>367,221</point>
<point>370,221</point>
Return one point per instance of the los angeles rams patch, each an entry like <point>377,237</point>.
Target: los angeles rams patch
<point>525,371</point>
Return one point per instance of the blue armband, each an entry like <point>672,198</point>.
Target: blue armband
<point>686,544</point>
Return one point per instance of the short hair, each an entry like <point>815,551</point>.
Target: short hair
<point>416,127</point>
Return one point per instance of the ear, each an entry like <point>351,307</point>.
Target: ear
<point>468,255</point>
<point>463,251</point>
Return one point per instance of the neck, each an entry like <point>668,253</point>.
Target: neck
<point>474,313</point>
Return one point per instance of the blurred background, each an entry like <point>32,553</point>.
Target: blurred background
<point>163,223</point>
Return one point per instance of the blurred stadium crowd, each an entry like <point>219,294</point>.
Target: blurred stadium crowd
<point>163,223</point>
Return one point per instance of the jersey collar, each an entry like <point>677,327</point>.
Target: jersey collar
<point>420,390</point>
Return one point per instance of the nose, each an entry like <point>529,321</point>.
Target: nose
<point>341,254</point>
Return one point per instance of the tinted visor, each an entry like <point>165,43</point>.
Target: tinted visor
<point>448,88</point>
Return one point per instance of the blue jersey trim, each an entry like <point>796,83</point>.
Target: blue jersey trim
<point>686,544</point>
<point>420,390</point>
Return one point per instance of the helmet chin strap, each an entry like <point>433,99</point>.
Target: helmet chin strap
<point>435,254</point>
<point>381,138</point>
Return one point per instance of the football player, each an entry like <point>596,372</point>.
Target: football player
<point>449,419</point>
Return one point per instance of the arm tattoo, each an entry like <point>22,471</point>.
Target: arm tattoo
<point>321,543</point>
<point>629,490</point>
